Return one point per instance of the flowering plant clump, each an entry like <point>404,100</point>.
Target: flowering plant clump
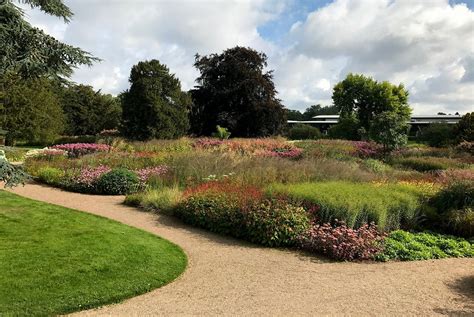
<point>343,243</point>
<point>79,149</point>
<point>207,143</point>
<point>45,152</point>
<point>90,175</point>
<point>243,212</point>
<point>145,173</point>
<point>367,149</point>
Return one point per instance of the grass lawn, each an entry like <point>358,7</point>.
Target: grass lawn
<point>56,260</point>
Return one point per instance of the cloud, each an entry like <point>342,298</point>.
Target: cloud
<point>427,45</point>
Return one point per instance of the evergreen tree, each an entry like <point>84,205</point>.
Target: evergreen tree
<point>88,112</point>
<point>154,106</point>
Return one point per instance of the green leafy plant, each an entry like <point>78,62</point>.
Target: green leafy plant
<point>50,175</point>
<point>118,182</point>
<point>221,133</point>
<point>406,246</point>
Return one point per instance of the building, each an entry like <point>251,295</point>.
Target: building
<point>324,122</point>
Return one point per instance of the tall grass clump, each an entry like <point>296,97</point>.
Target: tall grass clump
<point>162,200</point>
<point>389,206</point>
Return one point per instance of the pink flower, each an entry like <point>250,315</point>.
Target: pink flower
<point>145,173</point>
<point>90,175</point>
<point>79,149</point>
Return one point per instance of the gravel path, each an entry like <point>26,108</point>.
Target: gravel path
<point>230,277</point>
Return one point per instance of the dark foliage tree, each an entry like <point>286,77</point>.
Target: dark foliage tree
<point>464,129</point>
<point>31,111</point>
<point>88,112</point>
<point>233,91</point>
<point>389,130</point>
<point>294,115</point>
<point>154,106</point>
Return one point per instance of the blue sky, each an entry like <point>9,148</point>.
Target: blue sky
<point>428,45</point>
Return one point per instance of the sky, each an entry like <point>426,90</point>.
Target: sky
<point>428,45</point>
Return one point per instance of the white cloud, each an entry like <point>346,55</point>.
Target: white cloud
<point>426,44</point>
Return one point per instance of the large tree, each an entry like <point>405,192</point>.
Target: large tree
<point>154,106</point>
<point>89,111</point>
<point>31,111</point>
<point>367,99</point>
<point>30,52</point>
<point>235,92</point>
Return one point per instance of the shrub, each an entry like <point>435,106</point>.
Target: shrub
<point>118,182</point>
<point>453,206</point>
<point>50,175</point>
<point>389,206</point>
<point>406,246</point>
<point>304,132</point>
<point>438,134</point>
<point>464,129</point>
<point>243,212</point>
<point>343,243</point>
<point>87,179</point>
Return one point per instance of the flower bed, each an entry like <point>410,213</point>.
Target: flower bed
<point>79,149</point>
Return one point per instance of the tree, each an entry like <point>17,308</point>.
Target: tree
<point>347,128</point>
<point>464,129</point>
<point>233,91</point>
<point>316,110</point>
<point>28,51</point>
<point>367,98</point>
<point>374,103</point>
<point>31,53</point>
<point>88,111</point>
<point>154,106</point>
<point>294,115</point>
<point>438,134</point>
<point>390,130</point>
<point>31,111</point>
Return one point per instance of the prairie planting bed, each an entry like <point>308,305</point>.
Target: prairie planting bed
<point>56,260</point>
<point>345,199</point>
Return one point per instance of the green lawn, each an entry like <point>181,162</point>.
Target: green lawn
<point>56,260</point>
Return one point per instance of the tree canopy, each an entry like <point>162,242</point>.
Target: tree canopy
<point>464,129</point>
<point>88,111</point>
<point>28,51</point>
<point>368,98</point>
<point>372,104</point>
<point>235,92</point>
<point>154,106</point>
<point>31,111</point>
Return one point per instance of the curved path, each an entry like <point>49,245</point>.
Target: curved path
<point>230,277</point>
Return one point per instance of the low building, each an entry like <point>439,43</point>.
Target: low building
<point>324,122</point>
